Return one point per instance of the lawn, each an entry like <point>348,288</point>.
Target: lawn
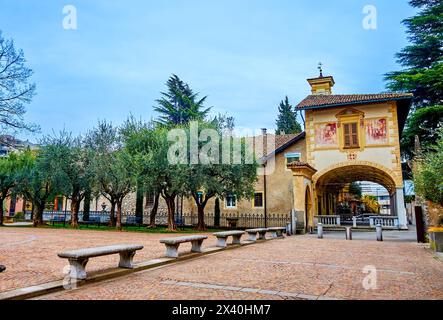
<point>130,229</point>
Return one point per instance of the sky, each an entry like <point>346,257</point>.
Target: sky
<point>246,56</point>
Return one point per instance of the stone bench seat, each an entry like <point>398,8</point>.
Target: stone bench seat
<point>277,232</point>
<point>253,234</point>
<point>172,244</point>
<point>223,236</point>
<point>79,258</point>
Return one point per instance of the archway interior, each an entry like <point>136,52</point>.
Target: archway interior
<point>330,186</point>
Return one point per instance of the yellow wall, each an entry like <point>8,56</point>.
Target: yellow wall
<point>386,156</point>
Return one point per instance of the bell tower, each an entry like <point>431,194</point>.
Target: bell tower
<point>321,85</point>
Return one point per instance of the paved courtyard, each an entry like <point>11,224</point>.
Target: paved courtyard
<point>30,255</point>
<point>301,267</point>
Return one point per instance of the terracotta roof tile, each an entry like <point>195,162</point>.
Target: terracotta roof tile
<point>280,140</point>
<point>319,101</point>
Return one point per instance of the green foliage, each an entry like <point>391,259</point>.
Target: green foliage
<point>70,166</point>
<point>371,203</point>
<point>409,198</point>
<point>19,216</point>
<point>428,173</point>
<point>10,169</point>
<point>148,148</point>
<point>422,59</point>
<point>355,189</point>
<point>215,178</point>
<point>423,123</point>
<point>180,104</point>
<point>38,183</point>
<point>423,73</point>
<point>224,123</point>
<point>287,119</point>
<point>111,167</point>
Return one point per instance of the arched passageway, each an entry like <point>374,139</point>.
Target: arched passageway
<point>330,183</point>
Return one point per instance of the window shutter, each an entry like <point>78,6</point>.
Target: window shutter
<point>351,135</point>
<point>354,135</point>
<point>347,135</point>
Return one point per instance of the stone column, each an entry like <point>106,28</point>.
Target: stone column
<point>300,172</point>
<point>293,222</point>
<point>401,210</point>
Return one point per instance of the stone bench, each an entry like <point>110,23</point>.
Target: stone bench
<point>253,234</point>
<point>223,236</point>
<point>172,244</point>
<point>277,232</point>
<point>92,221</point>
<point>79,258</point>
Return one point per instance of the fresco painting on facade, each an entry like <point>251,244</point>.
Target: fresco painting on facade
<point>326,135</point>
<point>376,131</point>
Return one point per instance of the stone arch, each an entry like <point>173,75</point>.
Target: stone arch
<point>360,171</point>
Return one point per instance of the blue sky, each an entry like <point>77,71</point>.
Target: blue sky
<point>245,55</point>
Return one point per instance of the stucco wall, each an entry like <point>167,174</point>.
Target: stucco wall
<point>387,156</point>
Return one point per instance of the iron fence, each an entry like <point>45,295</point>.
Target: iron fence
<point>232,221</point>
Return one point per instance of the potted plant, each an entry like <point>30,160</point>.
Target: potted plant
<point>436,238</point>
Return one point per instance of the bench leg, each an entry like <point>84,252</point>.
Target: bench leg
<point>77,268</point>
<point>274,234</point>
<point>262,236</point>
<point>221,243</point>
<point>236,239</point>
<point>172,250</point>
<point>126,260</point>
<point>197,246</point>
<point>252,237</point>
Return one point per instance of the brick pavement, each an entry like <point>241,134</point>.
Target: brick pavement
<point>30,255</point>
<point>300,267</point>
<point>293,268</point>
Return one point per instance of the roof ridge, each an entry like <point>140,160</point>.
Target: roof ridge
<point>318,101</point>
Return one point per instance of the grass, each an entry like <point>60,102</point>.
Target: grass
<point>129,229</point>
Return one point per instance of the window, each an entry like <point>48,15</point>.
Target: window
<point>351,135</point>
<point>258,200</point>
<point>292,157</point>
<point>231,201</point>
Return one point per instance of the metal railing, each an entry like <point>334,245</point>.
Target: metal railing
<point>234,220</point>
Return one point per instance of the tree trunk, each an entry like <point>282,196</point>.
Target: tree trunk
<point>1,212</point>
<point>112,215</point>
<point>139,202</point>
<point>74,212</point>
<point>217,213</point>
<point>38,216</point>
<point>87,205</point>
<point>154,211</point>
<point>201,217</point>
<point>171,213</point>
<point>119,215</point>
